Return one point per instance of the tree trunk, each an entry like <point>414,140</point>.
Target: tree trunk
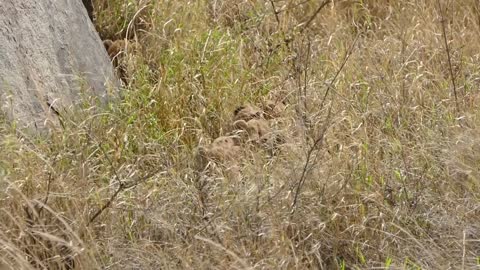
<point>49,54</point>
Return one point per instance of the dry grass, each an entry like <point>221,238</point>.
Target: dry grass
<point>378,166</point>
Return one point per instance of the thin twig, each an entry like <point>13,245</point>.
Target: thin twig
<point>49,183</point>
<point>107,158</point>
<point>122,186</point>
<point>307,24</point>
<point>345,59</point>
<point>275,12</point>
<point>306,168</point>
<point>318,143</point>
<point>47,193</point>
<point>447,49</point>
<point>304,94</point>
<point>463,250</point>
<point>105,206</point>
<point>404,48</point>
<point>293,6</point>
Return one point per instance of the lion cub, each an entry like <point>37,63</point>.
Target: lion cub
<point>117,51</point>
<point>117,47</point>
<point>258,130</point>
<point>247,113</point>
<point>253,121</point>
<point>224,148</point>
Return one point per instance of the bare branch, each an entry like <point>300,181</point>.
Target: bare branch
<point>275,12</point>
<point>121,187</point>
<point>318,143</point>
<point>307,24</point>
<point>447,49</point>
<point>345,59</point>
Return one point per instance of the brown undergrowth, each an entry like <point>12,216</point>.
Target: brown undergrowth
<point>261,135</point>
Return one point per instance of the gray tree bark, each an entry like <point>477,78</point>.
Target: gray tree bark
<point>49,54</point>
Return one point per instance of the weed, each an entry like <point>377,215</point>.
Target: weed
<point>377,166</point>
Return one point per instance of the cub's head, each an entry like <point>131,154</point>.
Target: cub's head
<point>222,149</point>
<point>247,113</point>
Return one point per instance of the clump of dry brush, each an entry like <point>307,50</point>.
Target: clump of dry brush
<point>376,163</point>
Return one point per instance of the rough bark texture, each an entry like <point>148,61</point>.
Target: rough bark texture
<point>49,53</point>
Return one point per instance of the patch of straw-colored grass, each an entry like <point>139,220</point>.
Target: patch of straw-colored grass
<point>378,169</point>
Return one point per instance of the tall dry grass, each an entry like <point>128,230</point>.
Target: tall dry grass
<point>379,169</point>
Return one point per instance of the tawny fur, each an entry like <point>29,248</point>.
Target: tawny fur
<point>275,104</point>
<point>224,148</point>
<point>250,121</point>
<point>117,47</point>
<point>257,129</point>
<point>273,109</point>
<point>116,51</point>
<point>247,113</point>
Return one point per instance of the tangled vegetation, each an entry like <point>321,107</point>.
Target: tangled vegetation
<point>375,162</point>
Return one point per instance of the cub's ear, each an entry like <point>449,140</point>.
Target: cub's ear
<point>236,140</point>
<point>201,158</point>
<point>202,151</point>
<point>107,43</point>
<point>237,110</point>
<point>240,124</point>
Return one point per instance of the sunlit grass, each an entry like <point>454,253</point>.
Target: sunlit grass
<point>392,183</point>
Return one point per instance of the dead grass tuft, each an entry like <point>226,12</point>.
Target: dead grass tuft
<point>353,153</point>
